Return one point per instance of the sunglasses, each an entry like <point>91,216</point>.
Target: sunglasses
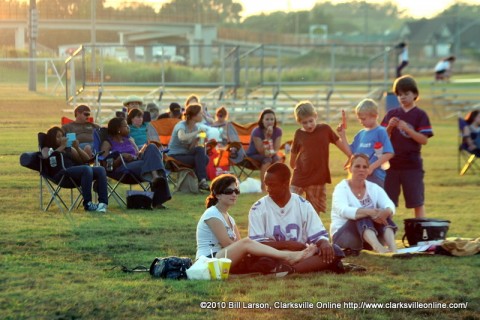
<point>230,191</point>
<point>86,114</point>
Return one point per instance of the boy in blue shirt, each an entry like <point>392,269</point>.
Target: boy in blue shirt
<point>373,141</point>
<point>409,128</point>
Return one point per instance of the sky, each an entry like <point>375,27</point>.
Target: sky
<point>414,8</point>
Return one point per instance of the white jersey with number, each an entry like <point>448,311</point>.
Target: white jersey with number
<point>297,221</point>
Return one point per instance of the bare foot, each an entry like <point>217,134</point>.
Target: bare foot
<point>297,256</point>
<point>381,250</point>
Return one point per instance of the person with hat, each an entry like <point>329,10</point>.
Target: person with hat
<point>175,112</point>
<point>133,102</point>
<point>154,110</point>
<point>82,128</point>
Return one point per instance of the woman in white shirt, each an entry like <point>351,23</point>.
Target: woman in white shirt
<point>362,212</point>
<point>218,235</point>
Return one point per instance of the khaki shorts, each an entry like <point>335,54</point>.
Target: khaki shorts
<point>316,195</point>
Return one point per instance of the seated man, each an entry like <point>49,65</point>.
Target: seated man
<point>175,112</point>
<point>82,128</point>
<point>286,221</point>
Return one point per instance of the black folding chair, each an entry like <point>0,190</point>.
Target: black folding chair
<point>53,176</point>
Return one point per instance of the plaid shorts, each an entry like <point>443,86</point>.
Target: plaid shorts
<point>315,194</point>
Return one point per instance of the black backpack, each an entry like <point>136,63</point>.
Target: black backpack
<point>170,267</point>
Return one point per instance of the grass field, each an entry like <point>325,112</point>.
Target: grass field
<point>59,266</point>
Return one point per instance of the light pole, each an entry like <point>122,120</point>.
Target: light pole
<point>32,47</point>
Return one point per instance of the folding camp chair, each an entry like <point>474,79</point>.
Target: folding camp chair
<point>239,140</point>
<point>65,120</point>
<point>125,177</point>
<point>53,176</point>
<point>162,135</point>
<point>464,157</point>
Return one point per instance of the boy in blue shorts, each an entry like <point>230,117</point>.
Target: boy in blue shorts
<point>373,141</point>
<point>409,128</point>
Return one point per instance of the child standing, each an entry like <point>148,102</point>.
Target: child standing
<point>409,128</point>
<point>309,156</point>
<point>373,141</point>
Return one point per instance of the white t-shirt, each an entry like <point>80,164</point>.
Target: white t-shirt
<point>297,221</point>
<point>442,65</point>
<point>403,56</point>
<point>207,242</point>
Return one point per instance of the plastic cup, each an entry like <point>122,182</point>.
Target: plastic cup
<point>225,264</point>
<point>214,269</point>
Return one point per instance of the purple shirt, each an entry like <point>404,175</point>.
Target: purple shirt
<point>257,132</point>
<point>125,146</point>
<point>407,151</point>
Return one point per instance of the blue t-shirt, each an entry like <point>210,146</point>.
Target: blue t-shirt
<point>364,142</point>
<point>407,150</point>
<point>139,134</point>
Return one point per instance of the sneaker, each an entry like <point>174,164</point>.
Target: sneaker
<point>91,206</point>
<point>101,207</point>
<point>203,185</point>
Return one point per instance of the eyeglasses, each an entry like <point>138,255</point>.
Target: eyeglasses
<point>230,191</point>
<point>86,114</point>
<point>219,115</point>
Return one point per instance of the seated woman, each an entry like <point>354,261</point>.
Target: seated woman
<point>217,232</point>
<point>138,129</point>
<point>185,144</point>
<point>146,165</point>
<point>265,142</point>
<point>220,123</point>
<point>471,132</point>
<point>74,159</point>
<point>362,212</point>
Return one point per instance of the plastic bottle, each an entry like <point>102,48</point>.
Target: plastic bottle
<point>110,164</point>
<point>266,147</point>
<point>52,159</point>
<point>201,138</point>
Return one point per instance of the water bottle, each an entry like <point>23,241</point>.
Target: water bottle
<point>110,164</point>
<point>288,148</point>
<point>52,159</point>
<point>201,138</point>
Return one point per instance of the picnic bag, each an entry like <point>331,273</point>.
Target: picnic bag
<point>170,267</point>
<point>187,181</point>
<point>139,199</point>
<point>424,229</point>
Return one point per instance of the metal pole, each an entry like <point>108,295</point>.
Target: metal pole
<point>32,66</point>
<point>93,36</point>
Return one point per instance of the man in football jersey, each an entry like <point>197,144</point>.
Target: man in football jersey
<point>286,221</point>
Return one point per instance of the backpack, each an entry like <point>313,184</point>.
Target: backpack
<point>187,181</point>
<point>170,267</point>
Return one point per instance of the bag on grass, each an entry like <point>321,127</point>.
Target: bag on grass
<point>187,181</point>
<point>170,267</point>
<point>139,199</point>
<point>424,229</point>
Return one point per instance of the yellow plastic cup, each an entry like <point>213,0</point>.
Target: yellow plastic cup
<point>214,269</point>
<point>225,264</point>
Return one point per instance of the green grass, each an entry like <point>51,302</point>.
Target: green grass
<point>59,266</point>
